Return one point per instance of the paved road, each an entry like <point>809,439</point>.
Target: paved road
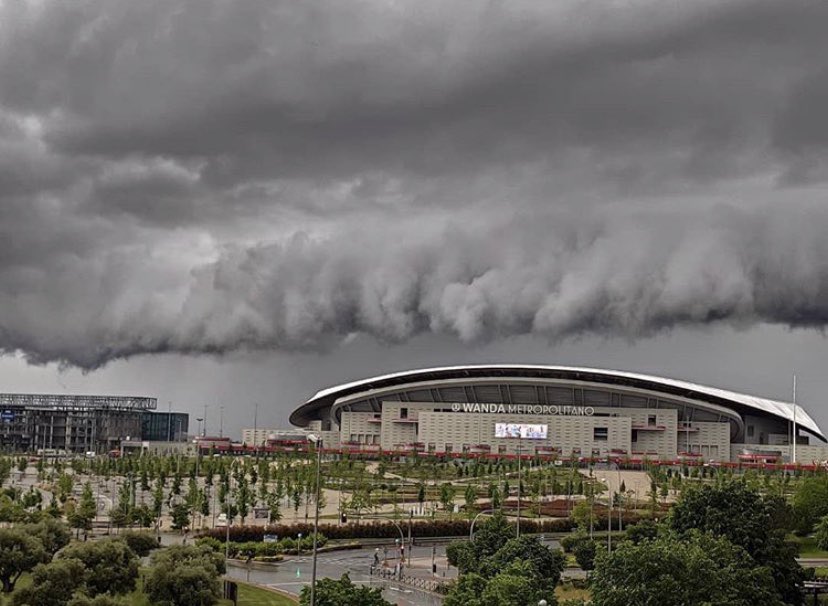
<point>292,574</point>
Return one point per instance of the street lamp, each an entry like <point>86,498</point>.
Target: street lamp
<point>317,442</point>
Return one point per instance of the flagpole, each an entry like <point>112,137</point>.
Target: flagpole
<point>794,420</point>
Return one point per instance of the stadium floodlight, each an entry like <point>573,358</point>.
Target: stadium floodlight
<point>317,442</point>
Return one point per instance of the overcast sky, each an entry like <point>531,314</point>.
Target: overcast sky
<point>236,202</point>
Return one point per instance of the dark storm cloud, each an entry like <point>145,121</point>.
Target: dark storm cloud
<point>200,176</point>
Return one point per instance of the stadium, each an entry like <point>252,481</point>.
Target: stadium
<point>559,411</point>
<point>65,423</point>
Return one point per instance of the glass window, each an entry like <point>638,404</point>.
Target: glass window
<point>600,434</point>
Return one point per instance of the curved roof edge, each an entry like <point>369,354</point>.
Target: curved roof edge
<point>775,407</point>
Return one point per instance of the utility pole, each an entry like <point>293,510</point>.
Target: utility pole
<point>169,421</point>
<point>793,456</point>
<point>518,490</point>
<point>221,421</point>
<point>255,428</point>
<point>205,422</point>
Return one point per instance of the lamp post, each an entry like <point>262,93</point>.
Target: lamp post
<point>227,509</point>
<point>474,521</point>
<point>518,489</point>
<point>317,442</point>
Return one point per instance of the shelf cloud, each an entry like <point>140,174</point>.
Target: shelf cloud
<point>197,176</point>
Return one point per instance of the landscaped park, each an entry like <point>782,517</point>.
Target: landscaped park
<point>89,530</point>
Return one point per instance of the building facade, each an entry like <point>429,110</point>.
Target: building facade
<point>69,423</point>
<point>558,411</point>
<point>165,426</point>
<point>264,437</point>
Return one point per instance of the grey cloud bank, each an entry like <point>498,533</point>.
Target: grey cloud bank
<point>201,177</point>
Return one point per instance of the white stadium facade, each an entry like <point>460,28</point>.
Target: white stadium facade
<point>558,411</point>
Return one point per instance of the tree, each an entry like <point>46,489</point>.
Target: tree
<point>467,591</point>
<point>141,543</point>
<point>447,496</point>
<point>642,531</point>
<point>185,576</point>
<point>470,497</point>
<point>52,584</point>
<point>822,533</point>
<point>501,569</point>
<point>180,516</point>
<point>100,600</point>
<point>517,585</point>
<point>547,564</point>
<point>53,534</point>
<point>748,520</point>
<point>342,592</point>
<point>810,502</point>
<point>82,515</point>
<point>671,571</point>
<point>585,552</point>
<point>19,553</point>
<point>109,566</point>
<point>468,556</point>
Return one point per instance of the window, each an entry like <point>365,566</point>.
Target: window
<point>600,434</point>
<point>651,420</point>
<point>403,413</point>
<point>449,447</point>
<point>750,431</point>
<point>501,450</point>
<point>432,447</point>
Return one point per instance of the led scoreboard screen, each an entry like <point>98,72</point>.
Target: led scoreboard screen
<point>526,431</point>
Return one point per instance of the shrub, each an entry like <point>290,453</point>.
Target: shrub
<point>141,543</point>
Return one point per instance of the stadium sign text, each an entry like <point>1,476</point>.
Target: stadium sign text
<point>524,409</point>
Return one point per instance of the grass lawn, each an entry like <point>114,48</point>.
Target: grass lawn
<point>255,596</point>
<point>566,591</point>
<point>808,547</point>
<point>248,596</point>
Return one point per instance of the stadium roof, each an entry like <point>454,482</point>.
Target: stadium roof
<point>74,402</point>
<point>326,397</point>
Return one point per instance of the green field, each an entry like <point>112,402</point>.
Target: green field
<point>250,595</point>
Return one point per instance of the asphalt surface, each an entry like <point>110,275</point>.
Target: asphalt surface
<point>294,573</point>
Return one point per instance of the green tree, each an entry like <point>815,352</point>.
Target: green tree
<point>670,571</point>
<point>100,600</point>
<point>52,584</point>
<point>642,531</point>
<point>19,553</point>
<point>82,515</point>
<point>821,534</point>
<point>585,552</point>
<point>447,492</point>
<point>470,497</point>
<point>750,521</point>
<point>517,585</point>
<point>141,543</point>
<point>342,592</point>
<point>53,534</point>
<point>810,502</point>
<point>489,537</point>
<point>467,591</point>
<point>109,565</point>
<point>180,516</point>
<point>184,576</point>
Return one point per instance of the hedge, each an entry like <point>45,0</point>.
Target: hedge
<point>378,529</point>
